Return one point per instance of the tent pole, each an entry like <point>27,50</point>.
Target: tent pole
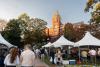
<point>79,54</point>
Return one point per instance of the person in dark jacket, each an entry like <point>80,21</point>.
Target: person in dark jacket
<point>1,59</point>
<point>52,55</point>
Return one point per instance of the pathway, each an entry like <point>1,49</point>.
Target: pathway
<point>39,63</point>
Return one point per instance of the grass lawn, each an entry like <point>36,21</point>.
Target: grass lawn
<point>77,66</point>
<point>46,60</point>
<point>82,66</point>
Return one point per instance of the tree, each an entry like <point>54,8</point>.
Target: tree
<point>33,29</point>
<point>25,30</point>
<point>95,14</point>
<point>24,22</point>
<point>69,32</point>
<point>12,32</point>
<point>75,32</point>
<point>80,30</point>
<point>38,24</point>
<point>24,17</point>
<point>94,5</point>
<point>89,5</point>
<point>95,30</point>
<point>36,28</point>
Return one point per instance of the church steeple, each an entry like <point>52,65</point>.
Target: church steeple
<point>56,28</point>
<point>56,23</point>
<point>56,20</point>
<point>56,13</point>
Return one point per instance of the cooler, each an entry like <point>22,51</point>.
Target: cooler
<point>72,61</point>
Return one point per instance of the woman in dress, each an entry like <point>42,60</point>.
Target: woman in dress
<point>12,59</point>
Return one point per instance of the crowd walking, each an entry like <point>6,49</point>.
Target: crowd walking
<point>22,58</point>
<point>34,58</point>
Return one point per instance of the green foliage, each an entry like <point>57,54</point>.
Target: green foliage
<point>38,24</point>
<point>69,31</point>
<point>36,33</point>
<point>24,17</point>
<point>12,32</point>
<point>25,30</point>
<point>95,17</point>
<point>89,5</point>
<point>94,5</point>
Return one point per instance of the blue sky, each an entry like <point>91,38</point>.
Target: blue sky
<point>70,10</point>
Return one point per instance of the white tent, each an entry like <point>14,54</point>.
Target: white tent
<point>88,39</point>
<point>62,41</point>
<point>3,41</point>
<point>47,45</point>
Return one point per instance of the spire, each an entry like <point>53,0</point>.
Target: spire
<point>56,15</point>
<point>56,19</point>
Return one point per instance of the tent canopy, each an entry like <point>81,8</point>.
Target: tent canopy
<point>88,39</point>
<point>47,45</point>
<point>62,41</point>
<point>3,41</point>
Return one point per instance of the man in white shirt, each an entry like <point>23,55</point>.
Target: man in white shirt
<point>27,57</point>
<point>92,54</point>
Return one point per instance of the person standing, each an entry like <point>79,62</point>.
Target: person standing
<point>59,57</point>
<point>27,57</point>
<point>98,53</point>
<point>42,53</point>
<point>1,58</point>
<point>92,54</point>
<point>84,56</point>
<point>37,52</point>
<point>52,55</point>
<point>12,59</point>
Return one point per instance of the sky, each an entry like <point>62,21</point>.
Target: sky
<point>70,10</point>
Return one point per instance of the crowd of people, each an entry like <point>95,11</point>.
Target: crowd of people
<point>26,57</point>
<point>17,57</point>
<point>91,55</point>
<point>85,56</point>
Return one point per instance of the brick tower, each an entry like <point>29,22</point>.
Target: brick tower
<point>55,30</point>
<point>56,23</point>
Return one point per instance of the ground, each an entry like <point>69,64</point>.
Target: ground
<point>39,63</point>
